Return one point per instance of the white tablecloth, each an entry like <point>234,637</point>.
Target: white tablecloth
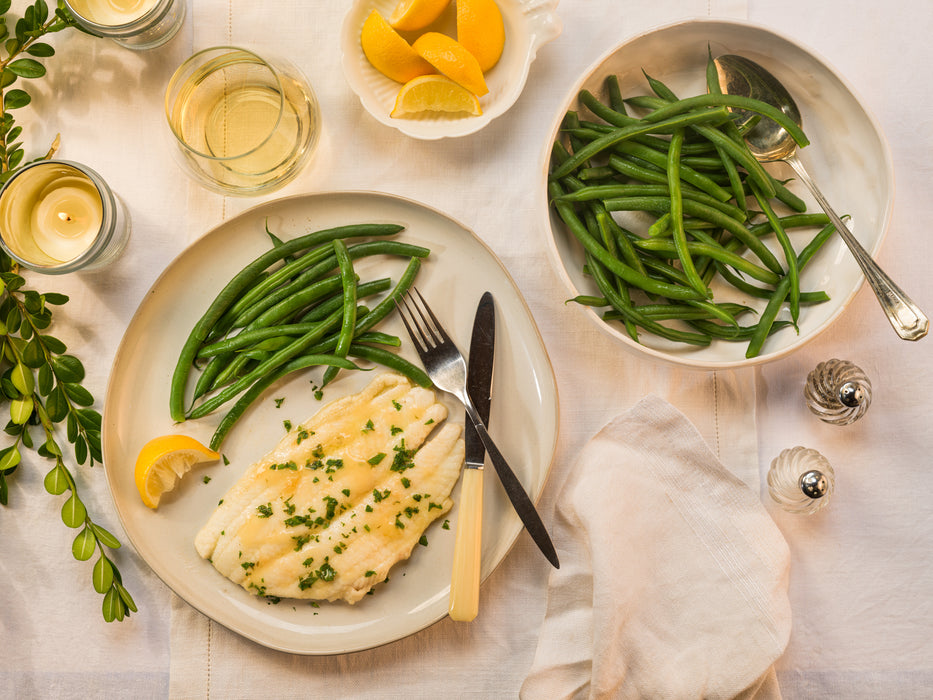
<point>861,587</point>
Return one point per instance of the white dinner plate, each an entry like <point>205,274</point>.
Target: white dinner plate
<point>848,158</point>
<point>524,419</point>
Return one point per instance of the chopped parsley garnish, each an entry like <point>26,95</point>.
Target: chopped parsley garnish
<point>376,458</point>
<point>287,424</point>
<point>369,427</point>
<point>206,479</point>
<point>423,541</point>
<point>278,402</point>
<point>403,458</point>
<point>346,492</point>
<point>395,430</point>
<point>264,510</point>
<point>396,405</point>
<point>406,482</point>
<point>380,495</point>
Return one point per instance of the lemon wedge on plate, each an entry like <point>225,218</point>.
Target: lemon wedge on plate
<point>411,15</point>
<point>434,93</point>
<point>163,461</point>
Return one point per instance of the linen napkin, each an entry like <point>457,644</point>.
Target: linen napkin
<point>673,578</point>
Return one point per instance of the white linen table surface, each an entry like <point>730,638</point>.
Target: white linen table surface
<point>861,587</point>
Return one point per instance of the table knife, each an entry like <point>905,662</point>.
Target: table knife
<point>464,582</point>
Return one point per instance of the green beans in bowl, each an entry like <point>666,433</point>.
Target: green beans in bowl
<point>670,236</point>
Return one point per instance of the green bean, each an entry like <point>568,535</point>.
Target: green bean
<point>379,338</point>
<point>678,233</point>
<point>662,205</point>
<point>741,333</point>
<point>660,245</point>
<point>688,104</point>
<point>592,192</point>
<point>363,290</point>
<point>619,135</point>
<point>790,255</point>
<point>243,314</point>
<point>602,282</point>
<point>347,326</point>
<point>237,285</point>
<point>392,361</point>
<point>295,347</point>
<point>783,289</point>
<point>615,93</point>
<point>263,383</point>
<point>617,267</point>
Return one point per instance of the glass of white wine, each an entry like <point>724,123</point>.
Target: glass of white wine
<point>243,124</point>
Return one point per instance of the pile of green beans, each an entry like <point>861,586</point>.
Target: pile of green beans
<point>707,205</point>
<point>295,306</point>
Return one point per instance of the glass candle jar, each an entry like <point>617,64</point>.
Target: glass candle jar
<point>135,24</point>
<point>57,216</point>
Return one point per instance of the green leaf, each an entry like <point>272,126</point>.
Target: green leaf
<point>112,606</point>
<point>42,11</point>
<point>7,78</point>
<point>9,457</point>
<point>90,419</point>
<point>22,379</point>
<point>73,512</point>
<point>127,598</point>
<point>4,490</point>
<point>83,546</point>
<point>53,344</point>
<point>103,575</point>
<point>78,394</point>
<point>68,368</point>
<point>105,537</point>
<point>46,380</point>
<point>21,409</point>
<point>15,99</point>
<point>32,300</point>
<point>13,320</point>
<point>5,6</point>
<point>56,481</point>
<point>33,355</point>
<point>80,445</point>
<point>17,156</point>
<point>53,298</point>
<point>57,405</point>
<point>41,50</point>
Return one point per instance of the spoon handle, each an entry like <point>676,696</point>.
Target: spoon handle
<point>909,322</point>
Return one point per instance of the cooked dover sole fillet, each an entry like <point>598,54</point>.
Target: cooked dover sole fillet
<point>340,499</point>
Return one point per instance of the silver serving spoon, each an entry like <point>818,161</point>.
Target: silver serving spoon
<point>769,142</point>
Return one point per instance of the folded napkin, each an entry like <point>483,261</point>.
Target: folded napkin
<point>673,578</point>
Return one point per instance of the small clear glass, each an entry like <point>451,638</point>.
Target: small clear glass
<point>135,24</point>
<point>801,480</point>
<point>57,216</point>
<point>838,392</point>
<point>242,124</point>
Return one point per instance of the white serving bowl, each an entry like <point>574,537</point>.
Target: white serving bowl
<point>848,158</point>
<point>529,24</point>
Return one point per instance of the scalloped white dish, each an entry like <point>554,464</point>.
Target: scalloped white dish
<point>529,24</point>
<point>453,278</point>
<point>848,157</point>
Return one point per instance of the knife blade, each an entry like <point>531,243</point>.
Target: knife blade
<point>464,584</point>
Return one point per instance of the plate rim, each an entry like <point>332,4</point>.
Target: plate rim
<point>545,471</point>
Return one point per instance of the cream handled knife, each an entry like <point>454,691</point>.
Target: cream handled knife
<point>464,583</point>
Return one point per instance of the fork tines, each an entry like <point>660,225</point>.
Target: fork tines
<point>420,322</point>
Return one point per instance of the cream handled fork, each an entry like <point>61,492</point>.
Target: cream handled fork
<point>446,367</point>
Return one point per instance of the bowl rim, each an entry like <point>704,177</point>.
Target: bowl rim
<point>558,263</point>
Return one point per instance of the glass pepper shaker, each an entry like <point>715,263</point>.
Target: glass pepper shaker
<point>838,392</point>
<point>801,480</point>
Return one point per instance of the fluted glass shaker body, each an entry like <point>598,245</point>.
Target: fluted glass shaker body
<point>838,392</point>
<point>801,480</point>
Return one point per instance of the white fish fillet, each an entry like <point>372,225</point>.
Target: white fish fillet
<point>322,516</point>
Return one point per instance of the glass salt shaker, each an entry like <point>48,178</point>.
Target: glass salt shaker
<point>838,392</point>
<point>801,480</point>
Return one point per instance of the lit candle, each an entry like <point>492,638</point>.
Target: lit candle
<point>57,216</point>
<point>111,12</point>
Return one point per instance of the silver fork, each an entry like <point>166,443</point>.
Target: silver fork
<point>446,367</point>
